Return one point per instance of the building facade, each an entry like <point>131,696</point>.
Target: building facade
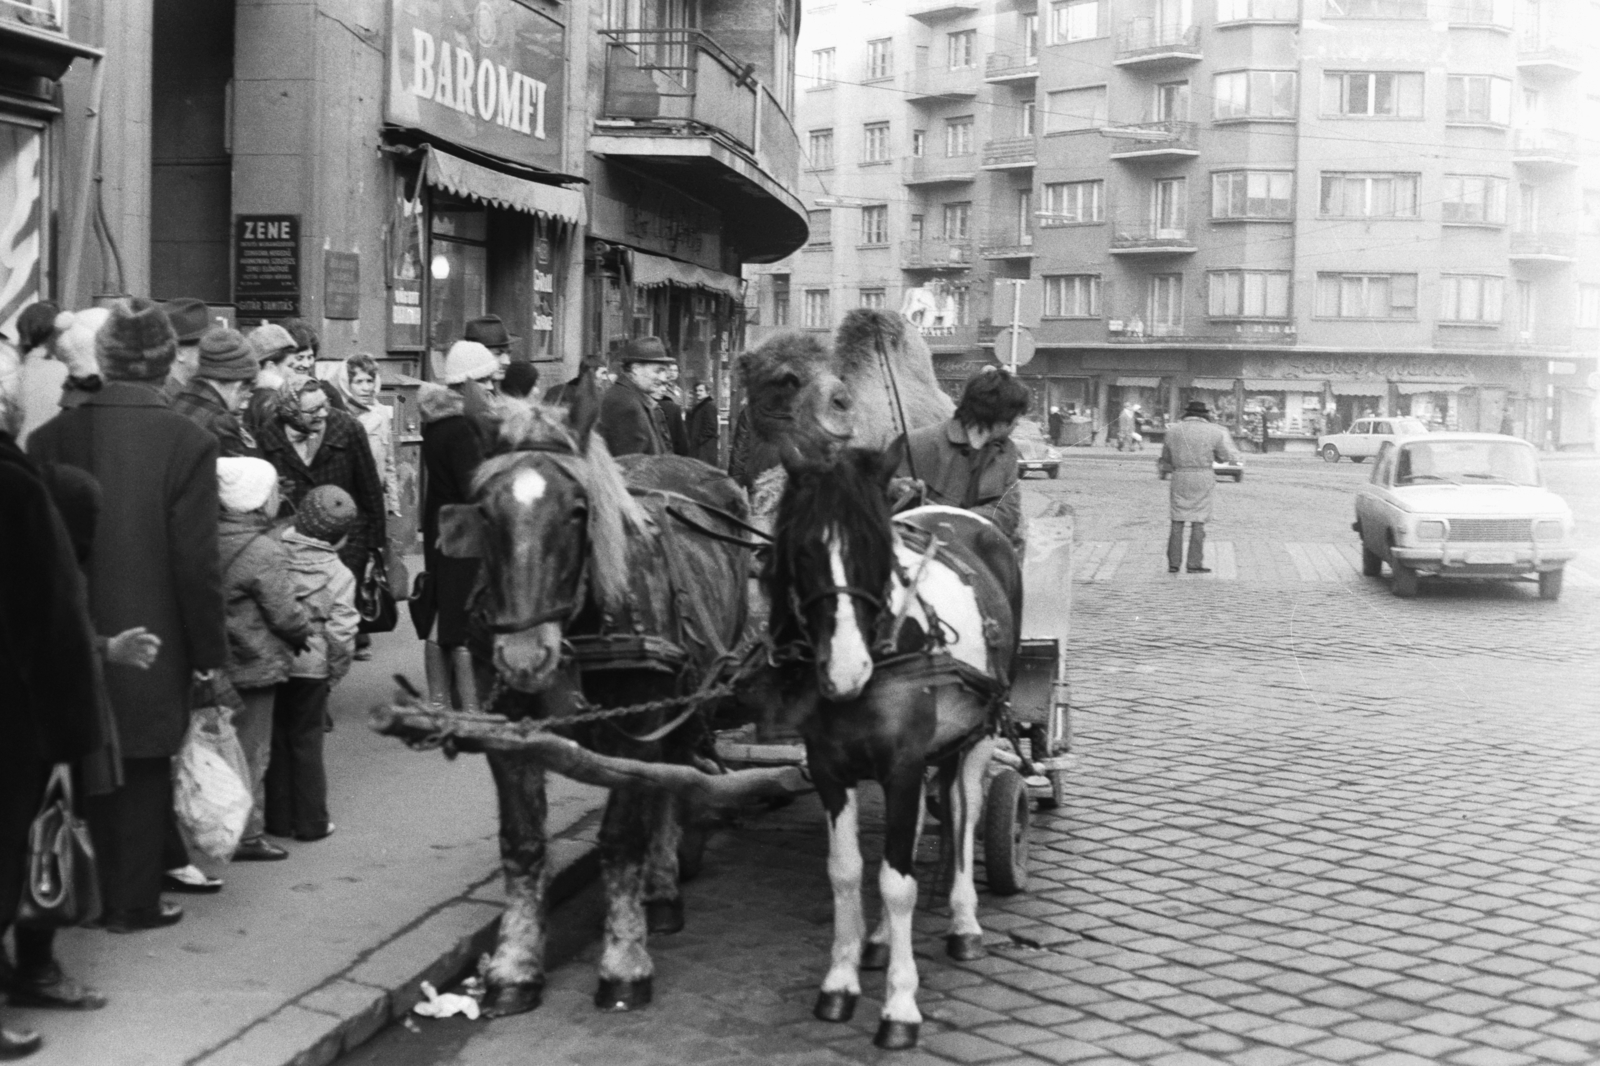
<point>1296,210</point>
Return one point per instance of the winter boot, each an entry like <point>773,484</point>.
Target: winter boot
<point>436,665</point>
<point>466,683</point>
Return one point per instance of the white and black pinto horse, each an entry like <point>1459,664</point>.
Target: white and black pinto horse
<point>903,657</point>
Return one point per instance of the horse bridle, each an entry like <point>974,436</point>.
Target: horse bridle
<point>563,612</point>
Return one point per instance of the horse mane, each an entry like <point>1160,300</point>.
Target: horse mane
<point>614,514</point>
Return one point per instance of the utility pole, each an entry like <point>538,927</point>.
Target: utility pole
<point>1016,319</point>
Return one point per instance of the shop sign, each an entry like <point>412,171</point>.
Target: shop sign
<point>405,270</point>
<point>650,216</point>
<point>266,266</point>
<point>486,74</point>
<point>1357,367</point>
<point>544,281</point>
<point>341,285</point>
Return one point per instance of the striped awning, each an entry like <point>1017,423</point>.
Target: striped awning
<point>463,178</point>
<point>1411,388</point>
<point>653,271</point>
<point>1281,385</point>
<point>1359,388</point>
<point>1214,384</point>
<point>1138,383</point>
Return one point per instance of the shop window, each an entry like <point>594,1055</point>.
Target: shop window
<point>459,267</point>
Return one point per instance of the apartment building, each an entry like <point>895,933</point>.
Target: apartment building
<point>1296,210</point>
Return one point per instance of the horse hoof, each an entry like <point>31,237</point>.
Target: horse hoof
<point>896,1036</point>
<point>500,1001</point>
<point>614,995</point>
<point>834,1006</point>
<point>663,916</point>
<point>875,957</point>
<point>965,947</point>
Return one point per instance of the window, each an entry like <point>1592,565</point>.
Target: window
<point>820,149</point>
<point>1258,10</point>
<point>958,136</point>
<point>1027,115</point>
<point>1068,203</point>
<point>963,301</point>
<point>962,49</point>
<point>1248,294</point>
<point>1356,195</point>
<point>919,143</point>
<point>822,65</point>
<point>1525,306</point>
<point>875,142</point>
<point>1367,295</point>
<point>875,225</point>
<point>1530,115</point>
<point>1253,94</point>
<point>1473,198</point>
<point>1075,109</point>
<point>1480,13</point>
<point>1072,296</point>
<point>1169,207</point>
<point>1470,298</point>
<point>1589,306</point>
<point>821,223</point>
<point>880,58</point>
<point>1025,216</point>
<point>1252,194</point>
<point>1165,304</point>
<point>1074,20</point>
<point>817,312</point>
<point>917,227</point>
<point>1171,102</point>
<point>780,299</point>
<point>1372,94</point>
<point>872,299</point>
<point>957,220</point>
<point>1478,99</point>
<point>1030,37</point>
<point>1376,9</point>
<point>1527,208</point>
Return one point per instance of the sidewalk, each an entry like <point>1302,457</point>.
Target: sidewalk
<point>297,961</point>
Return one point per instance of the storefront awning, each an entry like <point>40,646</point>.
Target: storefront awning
<point>1139,383</point>
<point>650,271</point>
<point>1359,388</point>
<point>1412,388</point>
<point>455,175</point>
<point>1214,384</point>
<point>1281,385</point>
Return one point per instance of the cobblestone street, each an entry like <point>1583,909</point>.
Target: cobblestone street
<point>1311,823</point>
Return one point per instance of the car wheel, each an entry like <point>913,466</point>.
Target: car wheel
<point>1405,580</point>
<point>1238,477</point>
<point>1358,458</point>
<point>1371,561</point>
<point>1330,454</point>
<point>1550,584</point>
<point>1055,472</point>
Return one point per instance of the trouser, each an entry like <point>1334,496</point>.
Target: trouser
<point>133,829</point>
<point>253,723</point>
<point>1197,545</point>
<point>297,783</point>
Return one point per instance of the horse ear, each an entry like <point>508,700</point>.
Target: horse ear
<point>891,459</point>
<point>582,400</point>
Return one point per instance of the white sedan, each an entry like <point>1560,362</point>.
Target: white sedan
<point>1366,437</point>
<point>1462,505</point>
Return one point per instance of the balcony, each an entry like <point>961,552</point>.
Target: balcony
<point>1146,46</point>
<point>34,42</point>
<point>935,255</point>
<point>935,84</point>
<point>1002,66</point>
<point>939,170</point>
<point>1221,336</point>
<point>1154,141</point>
<point>49,15</point>
<point>929,12</point>
<point>679,106</point>
<point>1006,244</point>
<point>1543,57</point>
<point>1015,154</point>
<point>1544,248</point>
<point>1545,149</point>
<point>1146,238</point>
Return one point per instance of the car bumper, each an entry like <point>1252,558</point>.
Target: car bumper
<point>1028,466</point>
<point>1483,560</point>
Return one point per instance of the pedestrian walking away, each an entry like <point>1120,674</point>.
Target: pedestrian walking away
<point>1186,456</point>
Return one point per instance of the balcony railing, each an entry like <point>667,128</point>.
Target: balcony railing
<point>1003,66</point>
<point>931,11</point>
<point>1145,41</point>
<point>680,78</point>
<point>1007,244</point>
<point>943,83</point>
<point>1544,247</point>
<point>947,339</point>
<point>940,170</point>
<point>1152,140</point>
<point>38,14</point>
<point>1537,147</point>
<point>1145,237</point>
<point>1010,154</point>
<point>936,254</point>
<point>1548,56</point>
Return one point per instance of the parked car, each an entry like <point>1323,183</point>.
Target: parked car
<point>1462,505</point>
<point>1366,437</point>
<point>1035,453</point>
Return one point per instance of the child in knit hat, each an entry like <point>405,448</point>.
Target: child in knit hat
<point>297,784</point>
<point>267,626</point>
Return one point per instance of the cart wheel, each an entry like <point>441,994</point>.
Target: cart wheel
<point>1006,815</point>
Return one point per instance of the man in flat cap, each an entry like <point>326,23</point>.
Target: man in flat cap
<point>631,422</point>
<point>190,319</point>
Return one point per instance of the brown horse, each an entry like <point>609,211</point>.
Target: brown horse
<point>581,551</point>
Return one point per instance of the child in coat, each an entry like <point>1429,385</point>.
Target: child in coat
<point>297,784</point>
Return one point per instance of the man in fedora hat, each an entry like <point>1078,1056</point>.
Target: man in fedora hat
<point>1187,454</point>
<point>190,319</point>
<point>631,422</point>
<point>490,331</point>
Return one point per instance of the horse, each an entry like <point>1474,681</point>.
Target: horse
<point>899,652</point>
<point>580,551</point>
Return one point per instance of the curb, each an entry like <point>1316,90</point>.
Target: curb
<point>382,986</point>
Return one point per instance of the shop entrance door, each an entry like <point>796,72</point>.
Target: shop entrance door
<point>459,267</point>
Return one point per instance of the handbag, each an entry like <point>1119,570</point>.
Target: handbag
<point>374,602</point>
<point>424,604</point>
<point>63,882</point>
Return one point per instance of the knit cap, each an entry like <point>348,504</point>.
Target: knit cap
<point>326,513</point>
<point>468,361</point>
<point>271,342</point>
<point>136,343</point>
<point>226,356</point>
<point>244,483</point>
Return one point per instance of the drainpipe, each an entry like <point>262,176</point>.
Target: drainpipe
<point>72,287</point>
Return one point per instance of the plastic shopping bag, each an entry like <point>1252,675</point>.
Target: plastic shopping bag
<point>210,787</point>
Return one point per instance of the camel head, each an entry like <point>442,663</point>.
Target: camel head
<point>799,406</point>
<point>861,335</point>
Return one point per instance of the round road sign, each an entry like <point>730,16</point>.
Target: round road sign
<point>1024,346</point>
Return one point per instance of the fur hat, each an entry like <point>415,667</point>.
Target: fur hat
<point>226,356</point>
<point>271,342</point>
<point>244,483</point>
<point>468,361</point>
<point>137,342</point>
<point>326,513</point>
<point>190,318</point>
<point>644,350</point>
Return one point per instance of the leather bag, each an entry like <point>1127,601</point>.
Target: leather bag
<point>374,601</point>
<point>63,882</point>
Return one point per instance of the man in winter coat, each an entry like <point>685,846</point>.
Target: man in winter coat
<point>631,422</point>
<point>1186,455</point>
<point>154,564</point>
<point>190,319</point>
<point>220,386</point>
<point>703,431</point>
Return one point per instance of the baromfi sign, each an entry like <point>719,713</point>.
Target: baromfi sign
<point>485,74</point>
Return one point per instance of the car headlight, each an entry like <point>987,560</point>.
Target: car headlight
<point>1549,529</point>
<point>1429,531</point>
